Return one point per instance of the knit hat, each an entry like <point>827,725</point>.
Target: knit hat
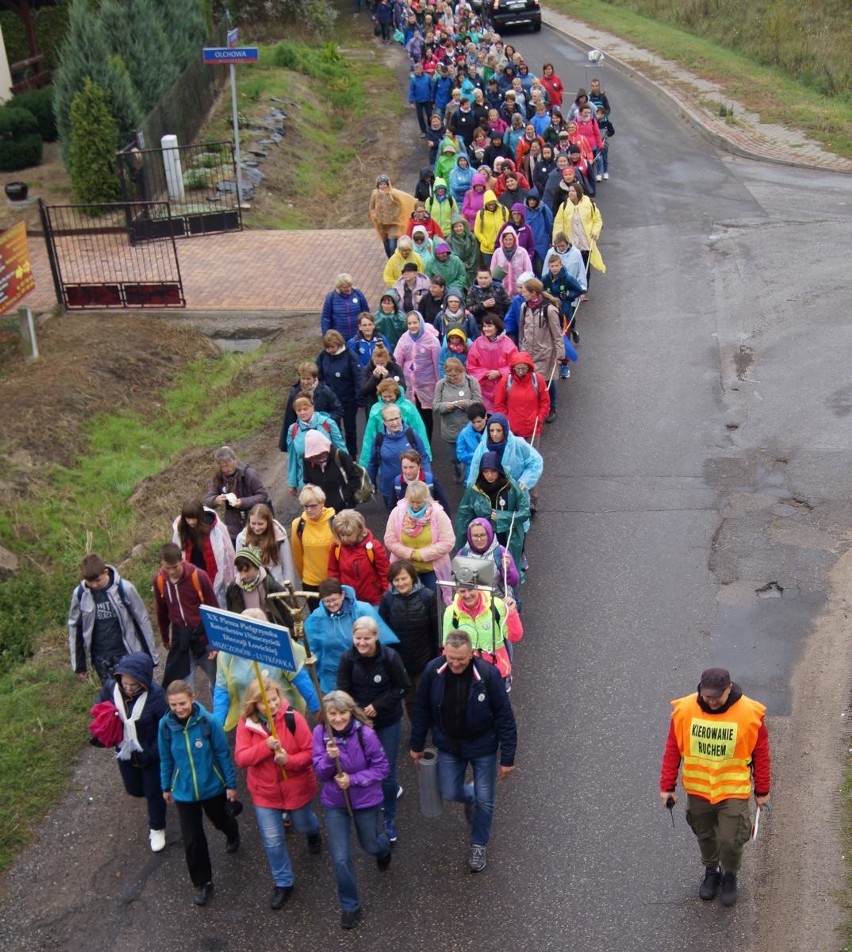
<point>490,461</point>
<point>454,292</point>
<point>250,553</point>
<point>316,443</point>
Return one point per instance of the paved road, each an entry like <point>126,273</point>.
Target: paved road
<point>703,441</point>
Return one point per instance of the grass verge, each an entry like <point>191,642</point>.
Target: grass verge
<point>772,94</point>
<point>335,97</point>
<point>42,708</point>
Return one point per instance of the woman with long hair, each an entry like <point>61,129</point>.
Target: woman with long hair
<point>205,542</point>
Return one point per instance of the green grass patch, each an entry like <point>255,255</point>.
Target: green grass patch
<point>772,93</point>
<point>92,495</point>
<point>42,724</point>
<point>335,97</point>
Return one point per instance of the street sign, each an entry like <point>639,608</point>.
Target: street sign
<point>223,54</point>
<point>247,638</point>
<point>16,275</point>
<point>233,38</point>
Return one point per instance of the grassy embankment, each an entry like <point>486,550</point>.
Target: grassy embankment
<point>788,62</point>
<point>42,708</point>
<point>336,99</point>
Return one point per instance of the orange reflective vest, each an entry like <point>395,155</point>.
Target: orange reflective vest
<point>717,748</point>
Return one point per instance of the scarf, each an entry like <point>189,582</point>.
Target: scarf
<point>130,743</point>
<point>413,523</point>
<point>253,584</point>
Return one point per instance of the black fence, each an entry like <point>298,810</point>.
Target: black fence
<point>97,263</point>
<point>181,192</point>
<point>183,110</point>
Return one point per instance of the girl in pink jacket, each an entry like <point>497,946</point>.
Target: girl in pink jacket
<point>418,352</point>
<point>489,356</point>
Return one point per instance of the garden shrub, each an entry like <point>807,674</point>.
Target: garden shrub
<point>20,142</point>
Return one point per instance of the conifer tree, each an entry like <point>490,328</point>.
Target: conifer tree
<point>135,32</point>
<point>94,142</point>
<point>86,55</point>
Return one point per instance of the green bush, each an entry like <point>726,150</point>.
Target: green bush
<point>286,56</point>
<point>40,103</point>
<point>94,142</point>
<point>20,143</point>
<point>29,604</point>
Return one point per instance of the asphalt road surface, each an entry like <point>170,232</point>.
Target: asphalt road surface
<point>705,428</point>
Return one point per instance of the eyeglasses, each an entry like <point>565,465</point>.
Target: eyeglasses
<point>313,505</point>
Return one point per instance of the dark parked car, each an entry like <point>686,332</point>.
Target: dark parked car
<point>511,12</point>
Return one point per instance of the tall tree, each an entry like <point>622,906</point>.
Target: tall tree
<point>86,55</point>
<point>135,32</point>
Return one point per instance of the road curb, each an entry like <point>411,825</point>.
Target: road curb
<point>693,117</point>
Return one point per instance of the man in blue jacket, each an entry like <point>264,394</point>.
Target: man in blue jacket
<point>420,97</point>
<point>464,701</point>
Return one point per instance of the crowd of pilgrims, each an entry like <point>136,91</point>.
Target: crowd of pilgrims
<point>488,265</point>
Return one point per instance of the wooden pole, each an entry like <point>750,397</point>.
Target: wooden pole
<point>291,600</point>
<point>265,699</point>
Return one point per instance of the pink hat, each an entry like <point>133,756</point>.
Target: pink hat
<point>316,443</point>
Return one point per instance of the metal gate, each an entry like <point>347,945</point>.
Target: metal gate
<point>99,261</point>
<point>195,184</point>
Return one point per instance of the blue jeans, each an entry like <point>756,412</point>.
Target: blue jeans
<point>270,824</point>
<point>389,739</point>
<point>337,824</point>
<point>481,793</point>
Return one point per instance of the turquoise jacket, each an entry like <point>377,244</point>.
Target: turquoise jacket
<point>195,760</point>
<point>330,635</point>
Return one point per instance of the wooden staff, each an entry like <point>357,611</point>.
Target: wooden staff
<point>298,610</point>
<point>265,699</point>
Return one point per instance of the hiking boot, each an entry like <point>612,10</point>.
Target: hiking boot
<point>202,894</point>
<point>729,888</point>
<point>280,895</point>
<point>390,829</point>
<point>476,860</point>
<point>315,843</point>
<point>564,371</point>
<point>384,860</point>
<point>158,840</point>
<point>710,885</point>
<point>349,917</point>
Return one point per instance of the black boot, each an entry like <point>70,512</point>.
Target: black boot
<point>729,888</point>
<point>710,885</point>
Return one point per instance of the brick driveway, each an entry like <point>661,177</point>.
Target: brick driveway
<point>255,270</point>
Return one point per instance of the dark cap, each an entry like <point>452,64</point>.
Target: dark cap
<point>714,682</point>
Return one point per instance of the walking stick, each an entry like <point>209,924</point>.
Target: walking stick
<point>265,699</point>
<point>291,599</point>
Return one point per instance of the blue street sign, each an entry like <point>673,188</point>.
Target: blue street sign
<point>256,640</point>
<point>240,54</point>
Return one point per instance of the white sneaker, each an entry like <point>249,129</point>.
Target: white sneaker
<point>599,178</point>
<point>158,840</point>
<point>606,175</point>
